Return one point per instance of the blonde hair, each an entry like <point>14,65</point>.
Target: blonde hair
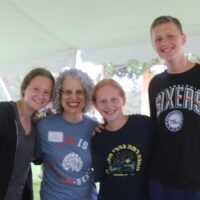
<point>166,19</point>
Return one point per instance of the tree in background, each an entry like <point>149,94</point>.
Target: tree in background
<point>134,71</point>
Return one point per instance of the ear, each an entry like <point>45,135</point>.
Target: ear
<point>22,93</point>
<point>124,100</point>
<point>154,46</point>
<point>184,38</point>
<point>152,43</point>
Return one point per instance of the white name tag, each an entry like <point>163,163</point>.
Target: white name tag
<point>55,136</point>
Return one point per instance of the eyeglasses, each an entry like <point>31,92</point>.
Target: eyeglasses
<point>70,92</point>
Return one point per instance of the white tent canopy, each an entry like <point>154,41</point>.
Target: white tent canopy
<point>49,32</point>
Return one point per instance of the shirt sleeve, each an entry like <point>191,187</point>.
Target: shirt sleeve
<point>98,163</point>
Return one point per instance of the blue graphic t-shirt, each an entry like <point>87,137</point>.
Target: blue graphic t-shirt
<point>121,159</point>
<point>65,148</point>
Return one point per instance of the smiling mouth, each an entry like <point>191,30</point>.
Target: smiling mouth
<point>40,103</point>
<point>110,112</point>
<point>166,50</point>
<point>73,104</point>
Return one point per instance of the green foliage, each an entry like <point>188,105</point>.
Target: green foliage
<point>132,69</point>
<point>36,170</point>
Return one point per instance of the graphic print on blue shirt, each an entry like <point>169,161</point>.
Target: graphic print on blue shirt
<point>72,161</point>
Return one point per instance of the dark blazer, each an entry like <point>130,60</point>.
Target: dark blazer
<point>8,143</point>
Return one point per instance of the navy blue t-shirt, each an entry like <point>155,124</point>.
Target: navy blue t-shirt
<point>121,159</point>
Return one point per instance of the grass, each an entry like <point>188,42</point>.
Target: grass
<point>36,170</point>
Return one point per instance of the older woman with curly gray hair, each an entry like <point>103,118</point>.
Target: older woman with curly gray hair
<point>85,81</point>
<point>65,140</point>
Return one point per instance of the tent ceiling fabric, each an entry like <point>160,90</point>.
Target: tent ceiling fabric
<point>49,32</point>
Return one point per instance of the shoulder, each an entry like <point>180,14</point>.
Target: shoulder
<point>47,119</point>
<point>7,119</point>
<point>144,125</point>
<point>100,137</point>
<point>90,120</point>
<point>142,120</point>
<point>5,105</point>
<point>158,77</point>
<point>139,117</point>
<point>197,65</point>
<point>196,68</point>
<point>6,109</point>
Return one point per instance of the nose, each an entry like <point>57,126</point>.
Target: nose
<point>108,103</point>
<point>73,95</point>
<point>164,41</point>
<point>41,94</point>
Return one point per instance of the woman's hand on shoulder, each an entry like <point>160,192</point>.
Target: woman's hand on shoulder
<point>98,129</point>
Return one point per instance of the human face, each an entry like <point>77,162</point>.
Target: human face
<point>109,103</point>
<point>38,92</point>
<point>72,96</point>
<point>168,41</point>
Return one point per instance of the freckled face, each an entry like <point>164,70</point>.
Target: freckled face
<point>109,102</point>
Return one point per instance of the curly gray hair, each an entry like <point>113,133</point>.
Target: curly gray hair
<point>85,81</point>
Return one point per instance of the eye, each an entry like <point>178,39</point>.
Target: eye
<point>36,89</point>
<point>80,92</point>
<point>102,101</point>
<point>47,92</point>
<point>159,39</point>
<point>170,36</point>
<point>66,92</point>
<point>114,100</point>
